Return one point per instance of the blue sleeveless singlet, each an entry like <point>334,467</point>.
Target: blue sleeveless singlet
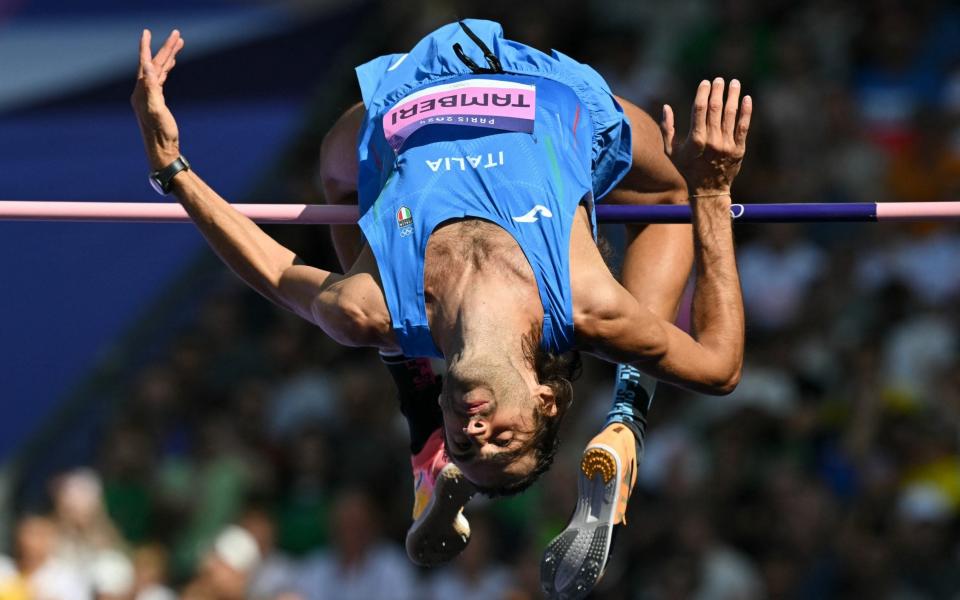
<point>521,149</point>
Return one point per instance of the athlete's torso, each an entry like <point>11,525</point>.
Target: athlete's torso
<point>472,248</point>
<point>524,184</point>
<point>459,169</point>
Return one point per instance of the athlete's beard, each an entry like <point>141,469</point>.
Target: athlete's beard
<point>495,372</point>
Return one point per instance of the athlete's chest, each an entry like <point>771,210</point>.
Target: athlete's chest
<point>461,249</point>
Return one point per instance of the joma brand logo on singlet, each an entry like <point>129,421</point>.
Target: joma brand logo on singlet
<point>460,163</point>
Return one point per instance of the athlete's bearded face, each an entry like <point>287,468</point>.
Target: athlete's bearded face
<point>489,417</point>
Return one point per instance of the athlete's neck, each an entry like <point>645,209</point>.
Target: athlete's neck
<point>482,315</point>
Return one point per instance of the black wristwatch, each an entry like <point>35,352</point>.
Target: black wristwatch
<point>162,180</point>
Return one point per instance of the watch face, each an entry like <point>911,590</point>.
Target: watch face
<point>156,185</point>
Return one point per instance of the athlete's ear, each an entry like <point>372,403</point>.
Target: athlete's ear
<point>546,400</point>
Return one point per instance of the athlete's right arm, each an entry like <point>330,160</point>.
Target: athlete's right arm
<point>340,305</point>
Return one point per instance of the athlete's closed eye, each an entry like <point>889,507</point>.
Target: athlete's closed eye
<point>461,451</point>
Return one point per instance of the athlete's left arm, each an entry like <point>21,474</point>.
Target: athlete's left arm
<point>653,178</point>
<point>608,319</point>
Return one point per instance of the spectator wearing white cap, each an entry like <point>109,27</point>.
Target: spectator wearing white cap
<point>112,576</point>
<point>227,567</point>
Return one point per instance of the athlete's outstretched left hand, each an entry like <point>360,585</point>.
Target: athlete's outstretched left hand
<point>160,135</point>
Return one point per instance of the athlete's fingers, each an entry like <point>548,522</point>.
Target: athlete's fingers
<point>714,109</point>
<point>698,115</point>
<point>667,129</point>
<point>144,51</point>
<point>166,50</point>
<point>743,124</point>
<point>176,50</point>
<point>172,61</point>
<point>730,109</point>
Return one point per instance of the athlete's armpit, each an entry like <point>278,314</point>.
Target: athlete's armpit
<point>614,327</point>
<point>603,310</point>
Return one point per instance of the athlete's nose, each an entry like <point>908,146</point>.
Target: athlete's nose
<point>476,428</point>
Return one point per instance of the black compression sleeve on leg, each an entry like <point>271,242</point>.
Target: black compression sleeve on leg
<point>632,398</point>
<point>418,389</point>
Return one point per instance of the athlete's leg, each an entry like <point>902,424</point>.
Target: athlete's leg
<point>439,531</point>
<point>655,268</point>
<point>657,259</point>
<point>337,177</point>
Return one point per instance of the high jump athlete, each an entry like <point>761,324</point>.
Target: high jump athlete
<point>476,187</point>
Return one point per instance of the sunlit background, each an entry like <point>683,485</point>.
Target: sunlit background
<point>150,400</point>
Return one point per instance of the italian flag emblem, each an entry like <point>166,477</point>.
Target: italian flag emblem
<point>404,217</point>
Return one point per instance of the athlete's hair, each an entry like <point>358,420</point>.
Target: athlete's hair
<point>558,372</point>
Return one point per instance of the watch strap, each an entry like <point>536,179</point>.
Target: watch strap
<point>164,177</point>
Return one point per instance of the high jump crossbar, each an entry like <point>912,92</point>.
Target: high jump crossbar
<point>309,214</point>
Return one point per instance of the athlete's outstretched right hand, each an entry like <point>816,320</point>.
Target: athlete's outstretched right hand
<point>160,135</point>
<point>709,158</point>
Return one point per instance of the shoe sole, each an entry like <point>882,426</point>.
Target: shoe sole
<point>574,560</point>
<point>442,532</point>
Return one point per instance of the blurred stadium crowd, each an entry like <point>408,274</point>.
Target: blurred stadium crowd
<point>256,459</point>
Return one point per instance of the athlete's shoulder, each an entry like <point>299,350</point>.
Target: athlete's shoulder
<point>601,306</point>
